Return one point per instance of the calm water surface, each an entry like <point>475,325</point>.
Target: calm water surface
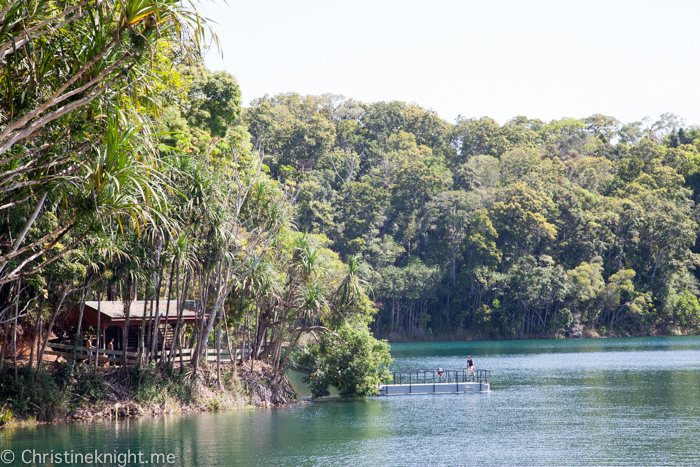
<point>574,402</point>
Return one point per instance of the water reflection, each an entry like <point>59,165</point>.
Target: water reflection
<point>584,402</point>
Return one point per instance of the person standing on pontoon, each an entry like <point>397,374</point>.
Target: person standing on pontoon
<point>470,366</point>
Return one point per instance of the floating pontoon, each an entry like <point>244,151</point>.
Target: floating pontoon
<point>439,381</point>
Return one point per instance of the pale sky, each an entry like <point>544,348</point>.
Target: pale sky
<point>544,59</point>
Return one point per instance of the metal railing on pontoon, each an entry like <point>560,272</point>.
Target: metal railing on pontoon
<point>440,375</point>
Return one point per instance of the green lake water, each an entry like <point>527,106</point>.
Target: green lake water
<point>552,402</point>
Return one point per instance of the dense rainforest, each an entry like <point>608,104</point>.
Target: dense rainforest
<point>481,230</point>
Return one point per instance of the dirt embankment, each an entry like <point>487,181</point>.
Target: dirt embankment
<point>113,393</point>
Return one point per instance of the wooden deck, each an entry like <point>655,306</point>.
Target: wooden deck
<point>115,356</point>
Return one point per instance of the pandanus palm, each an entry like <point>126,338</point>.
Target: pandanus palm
<point>64,64</point>
<point>306,296</point>
<point>265,285</point>
<point>121,183</point>
<point>355,282</point>
<point>71,52</point>
<point>243,233</point>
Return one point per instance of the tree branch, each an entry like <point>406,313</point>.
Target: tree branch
<point>58,113</point>
<point>24,231</point>
<point>57,98</point>
<point>14,43</point>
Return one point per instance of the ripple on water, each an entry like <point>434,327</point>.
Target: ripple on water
<point>584,402</point>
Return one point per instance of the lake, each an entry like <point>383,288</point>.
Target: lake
<point>633,401</point>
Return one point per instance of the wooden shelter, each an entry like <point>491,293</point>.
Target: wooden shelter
<point>112,320</point>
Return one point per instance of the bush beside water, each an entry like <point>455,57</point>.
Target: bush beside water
<point>66,389</point>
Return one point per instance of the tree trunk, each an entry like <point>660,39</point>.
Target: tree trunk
<point>127,318</point>
<point>142,334</point>
<point>14,328</point>
<point>36,330</point>
<point>99,318</point>
<point>167,310</point>
<point>656,265</point>
<point>40,355</point>
<point>82,309</point>
<point>4,344</point>
<point>293,339</point>
<point>160,267</point>
<point>206,330</point>
<point>218,353</point>
<point>231,356</point>
<point>256,338</point>
<point>180,310</point>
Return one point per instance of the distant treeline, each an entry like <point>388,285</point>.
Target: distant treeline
<point>527,229</point>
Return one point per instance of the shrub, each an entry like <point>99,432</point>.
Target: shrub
<point>26,396</point>
<point>6,415</point>
<point>151,384</point>
<point>351,360</point>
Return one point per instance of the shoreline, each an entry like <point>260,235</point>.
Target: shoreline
<point>131,410</point>
<point>136,411</point>
<point>122,398</point>
<point>465,337</point>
